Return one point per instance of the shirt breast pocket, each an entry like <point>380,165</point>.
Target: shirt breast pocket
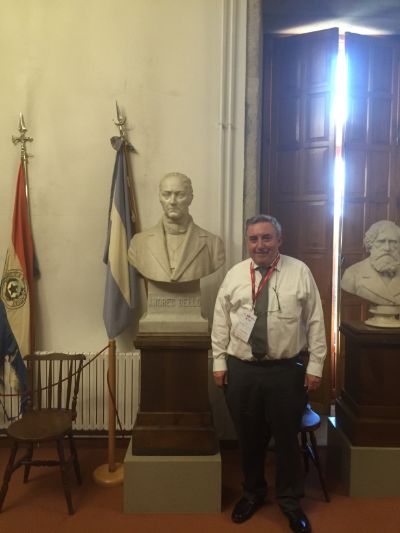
<point>284,308</point>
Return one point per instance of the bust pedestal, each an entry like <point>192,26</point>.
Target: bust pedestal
<point>173,308</point>
<point>368,409</point>
<point>174,416</point>
<point>174,451</point>
<point>364,439</point>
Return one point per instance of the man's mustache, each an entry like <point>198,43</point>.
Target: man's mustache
<point>386,263</point>
<point>387,255</point>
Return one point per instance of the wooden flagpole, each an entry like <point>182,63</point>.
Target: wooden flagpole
<point>111,474</point>
<point>22,139</point>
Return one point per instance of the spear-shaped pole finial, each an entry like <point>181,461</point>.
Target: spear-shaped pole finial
<point>22,138</point>
<point>22,127</point>
<point>120,122</point>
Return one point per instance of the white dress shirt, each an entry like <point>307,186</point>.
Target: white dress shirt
<point>295,319</point>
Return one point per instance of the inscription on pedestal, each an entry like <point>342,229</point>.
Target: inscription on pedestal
<point>173,307</point>
<point>173,301</point>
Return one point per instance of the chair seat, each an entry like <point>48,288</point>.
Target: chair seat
<point>310,420</point>
<point>309,423</point>
<point>46,424</point>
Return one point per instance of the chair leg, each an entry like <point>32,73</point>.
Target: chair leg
<point>304,449</point>
<point>8,473</point>
<point>318,464</point>
<point>64,474</point>
<point>74,456</point>
<point>28,457</point>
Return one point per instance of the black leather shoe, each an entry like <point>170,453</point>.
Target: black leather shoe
<point>245,508</point>
<point>298,521</point>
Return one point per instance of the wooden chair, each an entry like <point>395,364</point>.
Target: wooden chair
<point>53,386</point>
<point>310,422</point>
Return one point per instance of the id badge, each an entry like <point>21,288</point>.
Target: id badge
<point>244,327</point>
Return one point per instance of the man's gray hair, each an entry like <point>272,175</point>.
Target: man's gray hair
<point>372,233</point>
<point>265,218</point>
<point>185,180</point>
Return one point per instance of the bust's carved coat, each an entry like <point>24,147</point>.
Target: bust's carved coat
<point>364,281</point>
<point>202,254</point>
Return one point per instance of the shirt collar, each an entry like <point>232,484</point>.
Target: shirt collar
<point>278,266</point>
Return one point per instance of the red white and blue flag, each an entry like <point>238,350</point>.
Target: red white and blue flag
<point>17,282</point>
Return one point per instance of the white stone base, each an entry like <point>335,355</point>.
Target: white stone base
<point>157,323</point>
<point>362,470</point>
<point>173,308</point>
<point>172,484</point>
<point>385,316</point>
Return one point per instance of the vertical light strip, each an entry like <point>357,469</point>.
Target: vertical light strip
<point>339,111</point>
<point>228,41</point>
<point>231,126</point>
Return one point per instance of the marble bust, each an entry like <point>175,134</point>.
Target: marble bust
<point>377,278</point>
<point>173,256</point>
<point>176,249</point>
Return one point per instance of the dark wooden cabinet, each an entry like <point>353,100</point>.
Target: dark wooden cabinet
<point>174,416</point>
<point>368,408</point>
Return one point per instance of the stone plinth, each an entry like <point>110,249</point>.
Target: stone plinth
<point>178,484</point>
<point>362,470</point>
<point>173,308</point>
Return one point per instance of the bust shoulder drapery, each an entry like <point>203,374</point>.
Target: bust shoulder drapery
<point>202,254</point>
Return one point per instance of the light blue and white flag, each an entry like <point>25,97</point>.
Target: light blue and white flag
<point>119,298</point>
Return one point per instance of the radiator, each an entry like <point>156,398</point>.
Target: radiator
<point>93,399</point>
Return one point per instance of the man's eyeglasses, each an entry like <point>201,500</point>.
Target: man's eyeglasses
<point>275,305</point>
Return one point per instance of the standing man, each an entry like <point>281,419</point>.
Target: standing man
<point>268,309</point>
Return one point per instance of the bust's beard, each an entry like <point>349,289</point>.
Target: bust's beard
<point>385,264</point>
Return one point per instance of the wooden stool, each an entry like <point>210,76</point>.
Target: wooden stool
<point>309,423</point>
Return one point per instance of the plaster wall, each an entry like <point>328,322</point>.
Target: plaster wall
<point>64,64</point>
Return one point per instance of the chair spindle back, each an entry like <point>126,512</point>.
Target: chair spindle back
<point>54,380</point>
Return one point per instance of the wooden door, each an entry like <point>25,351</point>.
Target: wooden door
<point>298,157</point>
<point>371,151</point>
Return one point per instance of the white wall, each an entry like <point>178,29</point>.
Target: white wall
<point>177,70</point>
<point>64,63</point>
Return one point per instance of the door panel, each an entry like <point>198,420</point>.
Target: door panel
<point>371,151</point>
<point>288,116</point>
<point>317,117</point>
<point>371,146</point>
<point>298,148</point>
<point>316,167</point>
<point>298,152</point>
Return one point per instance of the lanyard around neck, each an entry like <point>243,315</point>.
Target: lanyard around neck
<point>264,280</point>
